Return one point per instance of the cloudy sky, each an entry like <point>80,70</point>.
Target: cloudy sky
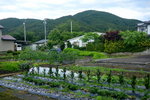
<point>40,9</point>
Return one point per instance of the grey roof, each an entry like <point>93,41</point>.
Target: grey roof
<point>147,22</point>
<point>41,41</point>
<point>143,24</point>
<point>8,38</point>
<point>1,27</point>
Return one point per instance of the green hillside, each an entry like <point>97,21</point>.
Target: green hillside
<point>86,21</point>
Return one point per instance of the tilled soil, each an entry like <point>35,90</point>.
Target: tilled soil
<point>137,63</point>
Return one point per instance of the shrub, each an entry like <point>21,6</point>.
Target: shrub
<point>54,84</point>
<point>69,44</point>
<point>11,66</point>
<point>121,79</point>
<point>9,51</point>
<point>71,50</point>
<point>95,55</point>
<point>114,94</point>
<point>98,75</point>
<point>133,83</point>
<point>90,47</point>
<point>50,72</point>
<point>72,76</point>
<point>93,90</point>
<point>80,76</point>
<point>99,56</point>
<point>109,77</point>
<point>88,75</point>
<point>64,73</point>
<point>62,45</point>
<point>147,81</point>
<point>112,36</point>
<point>72,87</point>
<point>95,47</point>
<point>25,66</point>
<point>114,46</point>
<point>33,55</point>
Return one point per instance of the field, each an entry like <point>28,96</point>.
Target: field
<point>76,81</point>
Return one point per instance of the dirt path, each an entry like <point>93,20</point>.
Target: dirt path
<point>141,62</point>
<point>10,74</point>
<point>11,94</point>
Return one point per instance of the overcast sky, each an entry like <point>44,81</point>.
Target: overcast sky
<point>40,9</point>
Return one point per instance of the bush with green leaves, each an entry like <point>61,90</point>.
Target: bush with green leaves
<point>72,87</point>
<point>54,84</point>
<point>72,76</point>
<point>57,72</point>
<point>109,77</point>
<point>69,44</point>
<point>95,55</point>
<point>80,76</point>
<point>98,74</point>
<point>10,66</point>
<point>44,72</point>
<point>114,94</point>
<point>95,47</point>
<point>133,37</point>
<point>64,73</point>
<point>147,81</point>
<point>133,83</point>
<point>114,46</point>
<point>121,79</point>
<point>50,72</point>
<point>29,54</point>
<point>88,75</point>
<point>25,66</point>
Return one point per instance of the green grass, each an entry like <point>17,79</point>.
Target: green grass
<point>104,98</point>
<point>10,66</point>
<point>8,95</point>
<point>93,54</point>
<point>6,56</point>
<point>102,69</point>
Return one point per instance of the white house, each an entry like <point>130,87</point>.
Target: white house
<point>78,42</point>
<point>38,43</point>
<point>144,27</point>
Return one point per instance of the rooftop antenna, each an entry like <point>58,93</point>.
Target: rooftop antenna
<point>24,24</point>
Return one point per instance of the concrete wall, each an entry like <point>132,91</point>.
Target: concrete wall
<point>6,45</point>
<point>148,29</point>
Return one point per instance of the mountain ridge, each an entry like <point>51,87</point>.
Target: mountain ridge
<point>86,21</point>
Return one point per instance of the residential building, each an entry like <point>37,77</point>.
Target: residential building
<point>6,41</point>
<point>38,43</point>
<point>144,27</point>
<point>78,42</point>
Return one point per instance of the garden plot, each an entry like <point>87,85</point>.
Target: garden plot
<point>68,84</point>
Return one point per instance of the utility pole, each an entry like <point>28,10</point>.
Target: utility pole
<point>45,29</point>
<point>24,24</point>
<point>71,26</point>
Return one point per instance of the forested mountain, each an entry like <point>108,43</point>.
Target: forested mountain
<point>86,21</point>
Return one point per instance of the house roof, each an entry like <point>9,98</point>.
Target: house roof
<point>147,22</point>
<point>79,37</point>
<point>1,27</point>
<point>76,38</point>
<point>41,41</point>
<point>143,24</point>
<point>8,38</point>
